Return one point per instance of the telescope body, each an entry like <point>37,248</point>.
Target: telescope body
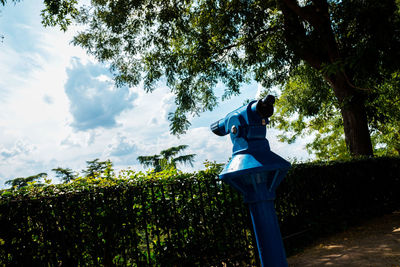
<point>255,171</point>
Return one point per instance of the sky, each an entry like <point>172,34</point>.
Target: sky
<point>59,107</point>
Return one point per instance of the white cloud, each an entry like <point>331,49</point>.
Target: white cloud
<point>207,146</point>
<point>20,147</point>
<point>165,106</point>
<point>69,142</point>
<point>80,139</point>
<point>121,146</point>
<point>94,101</point>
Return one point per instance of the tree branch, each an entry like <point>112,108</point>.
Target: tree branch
<point>315,14</point>
<point>296,37</point>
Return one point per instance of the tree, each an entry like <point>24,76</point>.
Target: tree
<point>96,168</point>
<point>167,158</point>
<point>319,117</point>
<point>386,116</point>
<point>20,182</point>
<point>66,175</point>
<point>3,2</point>
<point>350,47</point>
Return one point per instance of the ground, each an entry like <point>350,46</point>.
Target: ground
<point>374,243</point>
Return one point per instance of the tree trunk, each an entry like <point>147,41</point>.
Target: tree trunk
<point>355,122</point>
<point>324,50</point>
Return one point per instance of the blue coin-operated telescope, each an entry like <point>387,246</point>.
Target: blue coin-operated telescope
<point>255,171</point>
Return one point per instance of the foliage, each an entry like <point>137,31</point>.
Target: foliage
<point>96,169</point>
<point>385,122</point>
<point>303,110</point>
<point>66,175</point>
<point>18,183</point>
<point>167,158</point>
<point>59,12</point>
<point>4,2</point>
<point>342,49</point>
<point>360,38</point>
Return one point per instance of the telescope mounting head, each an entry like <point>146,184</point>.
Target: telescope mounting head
<point>247,125</point>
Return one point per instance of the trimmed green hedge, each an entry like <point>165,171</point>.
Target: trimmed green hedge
<point>317,199</point>
<point>163,219</point>
<point>176,219</point>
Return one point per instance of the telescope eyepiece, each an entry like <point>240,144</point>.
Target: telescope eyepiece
<point>265,106</point>
<point>269,100</point>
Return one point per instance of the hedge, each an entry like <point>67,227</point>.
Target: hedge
<point>164,219</point>
<point>178,219</point>
<point>317,199</point>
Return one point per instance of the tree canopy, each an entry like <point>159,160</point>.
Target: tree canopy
<point>167,158</point>
<point>336,62</point>
<point>25,181</point>
<point>96,168</point>
<point>65,174</point>
<point>319,116</point>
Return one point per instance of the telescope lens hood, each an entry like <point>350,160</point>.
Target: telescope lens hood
<point>265,106</point>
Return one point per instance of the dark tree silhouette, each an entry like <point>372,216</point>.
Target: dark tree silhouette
<point>96,168</point>
<point>167,158</point>
<point>66,175</point>
<point>23,181</point>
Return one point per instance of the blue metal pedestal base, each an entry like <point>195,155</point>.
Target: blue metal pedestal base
<point>266,230</point>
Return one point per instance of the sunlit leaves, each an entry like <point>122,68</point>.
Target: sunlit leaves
<point>306,106</point>
<point>385,116</point>
<point>59,12</point>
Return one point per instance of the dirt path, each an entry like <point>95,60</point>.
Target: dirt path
<point>375,243</point>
